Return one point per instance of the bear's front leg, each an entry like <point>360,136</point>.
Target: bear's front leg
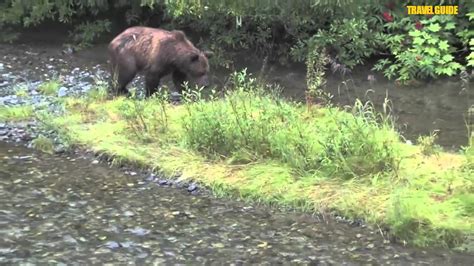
<point>178,80</point>
<point>152,81</point>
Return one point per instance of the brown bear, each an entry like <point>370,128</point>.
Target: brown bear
<point>156,53</point>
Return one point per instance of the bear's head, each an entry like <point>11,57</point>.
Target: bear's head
<point>198,68</point>
<point>190,60</point>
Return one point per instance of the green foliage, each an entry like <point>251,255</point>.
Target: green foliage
<point>315,80</point>
<point>426,52</point>
<point>411,221</point>
<point>21,91</point>
<point>86,33</point>
<point>249,121</point>
<point>469,152</point>
<point>146,119</point>
<point>350,40</point>
<point>16,113</point>
<point>349,30</point>
<point>50,87</point>
<point>428,145</point>
<point>466,36</point>
<point>98,92</point>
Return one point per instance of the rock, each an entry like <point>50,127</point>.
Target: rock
<point>69,50</point>
<point>128,214</point>
<point>151,177</point>
<point>86,88</point>
<point>138,231</point>
<point>59,149</point>
<point>112,245</point>
<point>69,239</point>
<point>175,96</point>
<point>163,182</point>
<point>62,92</point>
<point>192,187</point>
<point>13,101</point>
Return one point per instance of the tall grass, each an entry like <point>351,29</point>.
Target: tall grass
<point>250,120</point>
<point>147,119</point>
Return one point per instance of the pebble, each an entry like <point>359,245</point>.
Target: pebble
<point>112,244</point>
<point>128,213</point>
<point>151,177</point>
<point>62,92</point>
<point>163,182</point>
<point>192,187</point>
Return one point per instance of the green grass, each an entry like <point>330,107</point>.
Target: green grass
<point>256,146</point>
<point>50,88</point>
<point>15,113</point>
<point>21,91</point>
<point>44,144</point>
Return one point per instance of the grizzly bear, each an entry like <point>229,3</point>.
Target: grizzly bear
<point>156,53</point>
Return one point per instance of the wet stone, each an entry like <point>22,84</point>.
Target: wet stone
<point>164,182</point>
<point>192,187</point>
<point>151,178</point>
<point>62,92</point>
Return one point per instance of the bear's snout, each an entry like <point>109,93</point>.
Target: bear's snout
<point>203,81</point>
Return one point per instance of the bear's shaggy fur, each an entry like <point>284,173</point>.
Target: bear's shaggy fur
<point>156,53</point>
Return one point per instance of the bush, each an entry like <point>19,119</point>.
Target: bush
<point>413,47</point>
<point>424,47</point>
<point>258,124</point>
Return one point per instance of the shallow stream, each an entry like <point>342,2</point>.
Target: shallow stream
<point>69,210</point>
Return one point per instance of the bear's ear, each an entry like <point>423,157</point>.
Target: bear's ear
<point>194,57</point>
<point>208,54</point>
<point>179,35</point>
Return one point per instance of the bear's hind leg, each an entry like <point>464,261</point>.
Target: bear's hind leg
<point>122,74</point>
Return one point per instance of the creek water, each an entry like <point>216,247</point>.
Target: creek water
<point>63,210</point>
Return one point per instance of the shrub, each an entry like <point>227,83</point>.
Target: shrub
<point>421,49</point>
<point>86,33</point>
<point>249,120</point>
